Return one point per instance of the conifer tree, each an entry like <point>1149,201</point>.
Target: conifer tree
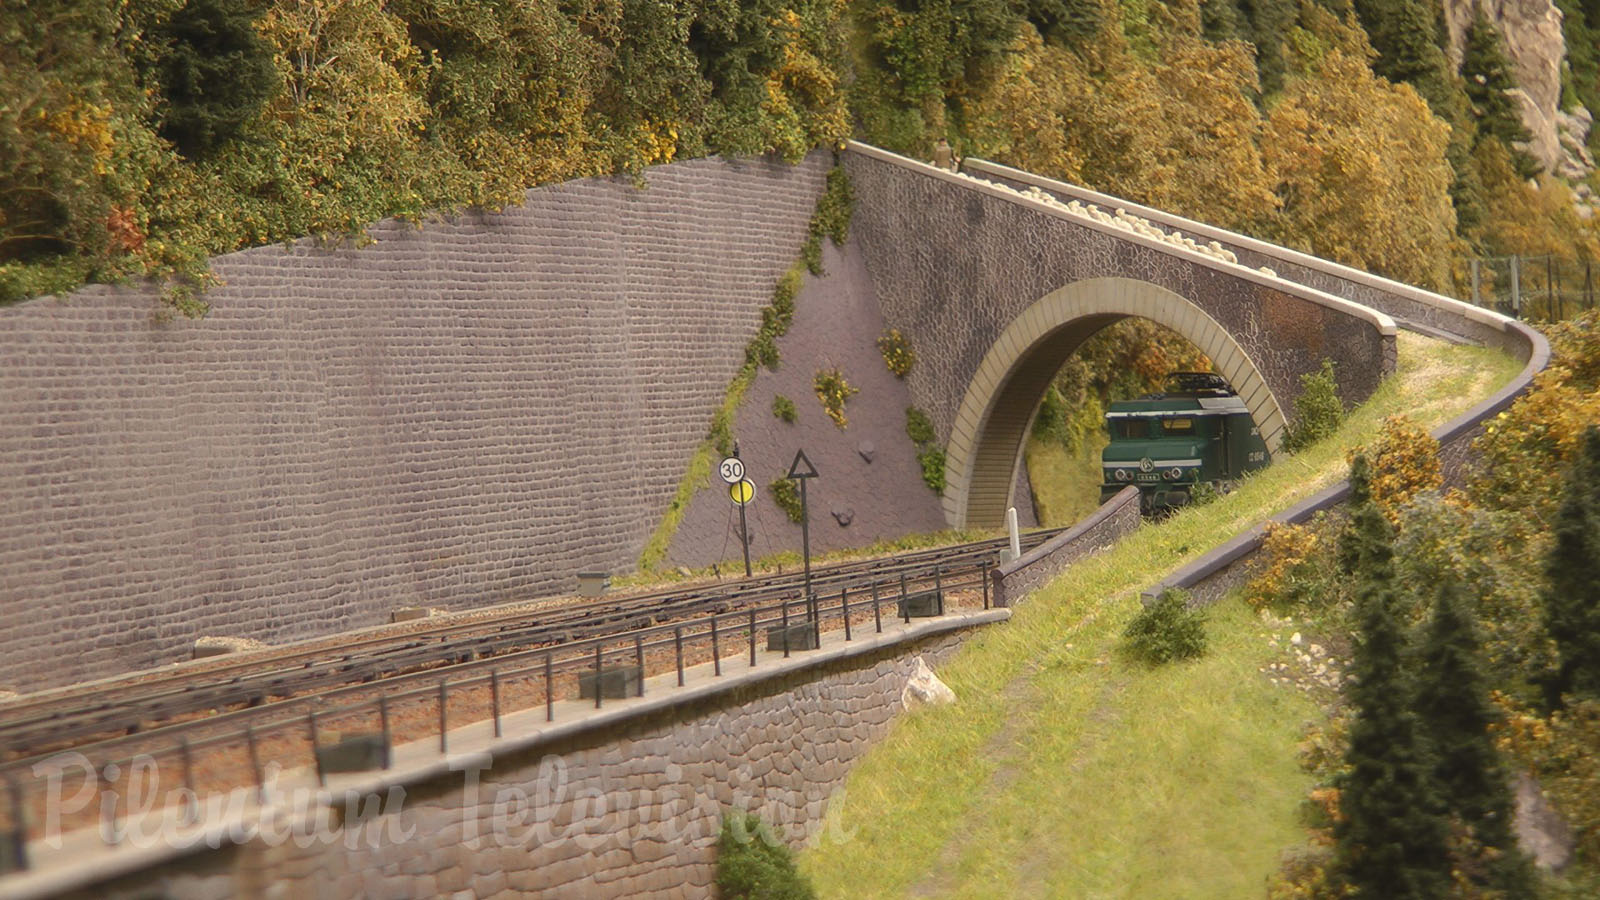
<point>1572,601</point>
<point>1405,35</point>
<point>1453,703</point>
<point>1392,841</point>
<point>215,76</point>
<point>1488,82</point>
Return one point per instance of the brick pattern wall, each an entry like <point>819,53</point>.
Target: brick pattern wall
<point>460,414</point>
<point>632,814</point>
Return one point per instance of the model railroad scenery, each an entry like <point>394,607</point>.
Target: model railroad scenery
<point>799,449</point>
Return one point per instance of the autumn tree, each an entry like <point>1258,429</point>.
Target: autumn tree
<point>1359,167</point>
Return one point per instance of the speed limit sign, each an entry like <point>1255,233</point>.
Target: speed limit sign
<point>731,470</point>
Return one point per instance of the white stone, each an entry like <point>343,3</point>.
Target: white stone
<point>924,688</point>
<point>1296,639</point>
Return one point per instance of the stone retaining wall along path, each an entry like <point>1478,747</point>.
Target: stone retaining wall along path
<point>458,415</point>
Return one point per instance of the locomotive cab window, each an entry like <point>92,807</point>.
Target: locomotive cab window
<point>1177,426</point>
<point>1129,428</point>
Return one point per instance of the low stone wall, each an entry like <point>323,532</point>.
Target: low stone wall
<point>1015,580</point>
<point>629,809</point>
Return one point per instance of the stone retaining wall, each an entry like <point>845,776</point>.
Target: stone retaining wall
<point>458,415</point>
<point>1115,518</point>
<point>632,811</point>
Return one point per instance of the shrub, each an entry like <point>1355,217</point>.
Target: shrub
<point>1166,630</point>
<point>834,391</point>
<point>1405,462</point>
<point>752,864</point>
<point>1317,411</point>
<point>787,496</point>
<point>762,350</point>
<point>722,431</point>
<point>832,216</point>
<point>1295,569</point>
<point>897,352</point>
<point>783,408</point>
<point>932,460</point>
<point>918,426</point>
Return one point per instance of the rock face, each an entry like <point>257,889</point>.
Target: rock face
<point>1540,829</point>
<point>924,688</point>
<point>1531,30</point>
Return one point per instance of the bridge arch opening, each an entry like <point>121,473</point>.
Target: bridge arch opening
<point>996,414</point>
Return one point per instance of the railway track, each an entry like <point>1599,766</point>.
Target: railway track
<point>254,686</point>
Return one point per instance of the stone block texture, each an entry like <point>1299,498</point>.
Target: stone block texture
<point>953,266</point>
<point>633,812</point>
<point>1015,580</point>
<point>456,415</point>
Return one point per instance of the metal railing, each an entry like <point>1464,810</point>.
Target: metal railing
<point>1532,288</point>
<point>548,671</point>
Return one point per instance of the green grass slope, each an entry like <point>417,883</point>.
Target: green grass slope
<point>1067,771</point>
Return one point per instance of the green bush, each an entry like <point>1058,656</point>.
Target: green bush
<point>918,426</point>
<point>752,864</point>
<point>1166,630</point>
<point>1318,411</point>
<point>932,460</point>
<point>787,496</point>
<point>897,352</point>
<point>783,408</point>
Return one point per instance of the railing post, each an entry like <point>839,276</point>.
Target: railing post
<point>1516,287</point>
<point>716,650</point>
<point>444,723</point>
<point>785,628</point>
<point>983,573</point>
<point>311,720</point>
<point>677,648</point>
<point>598,671</point>
<point>905,608</point>
<point>752,638</point>
<point>383,724</point>
<point>938,588</point>
<point>638,659</point>
<point>255,760</point>
<point>494,698</point>
<point>844,609</point>
<point>877,611</point>
<point>549,688</point>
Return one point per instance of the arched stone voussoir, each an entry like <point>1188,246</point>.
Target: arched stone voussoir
<point>986,441</point>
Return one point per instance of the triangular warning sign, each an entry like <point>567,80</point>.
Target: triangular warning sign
<point>801,467</point>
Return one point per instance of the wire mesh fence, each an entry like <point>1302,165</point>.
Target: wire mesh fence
<point>1534,288</point>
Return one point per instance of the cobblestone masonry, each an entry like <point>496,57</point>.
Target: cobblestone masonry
<point>632,813</point>
<point>1015,580</point>
<point>954,266</point>
<point>454,416</point>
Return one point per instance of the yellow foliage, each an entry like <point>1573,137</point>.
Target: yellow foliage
<point>1359,165</point>
<point>1285,549</point>
<point>1405,462</point>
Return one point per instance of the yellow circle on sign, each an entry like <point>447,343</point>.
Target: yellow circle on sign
<point>742,492</point>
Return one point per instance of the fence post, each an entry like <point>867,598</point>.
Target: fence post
<point>1516,286</point>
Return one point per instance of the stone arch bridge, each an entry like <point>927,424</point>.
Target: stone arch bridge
<point>995,288</point>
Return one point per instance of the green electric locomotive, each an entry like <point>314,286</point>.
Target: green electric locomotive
<point>1196,431</point>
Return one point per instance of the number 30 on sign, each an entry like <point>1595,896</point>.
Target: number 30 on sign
<point>731,470</point>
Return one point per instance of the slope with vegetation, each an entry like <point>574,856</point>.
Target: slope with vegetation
<point>1340,129</point>
<point>1071,769</point>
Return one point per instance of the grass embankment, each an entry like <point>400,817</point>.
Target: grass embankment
<point>1067,771</point>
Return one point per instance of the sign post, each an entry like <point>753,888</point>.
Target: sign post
<point>802,470</point>
<point>742,491</point>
